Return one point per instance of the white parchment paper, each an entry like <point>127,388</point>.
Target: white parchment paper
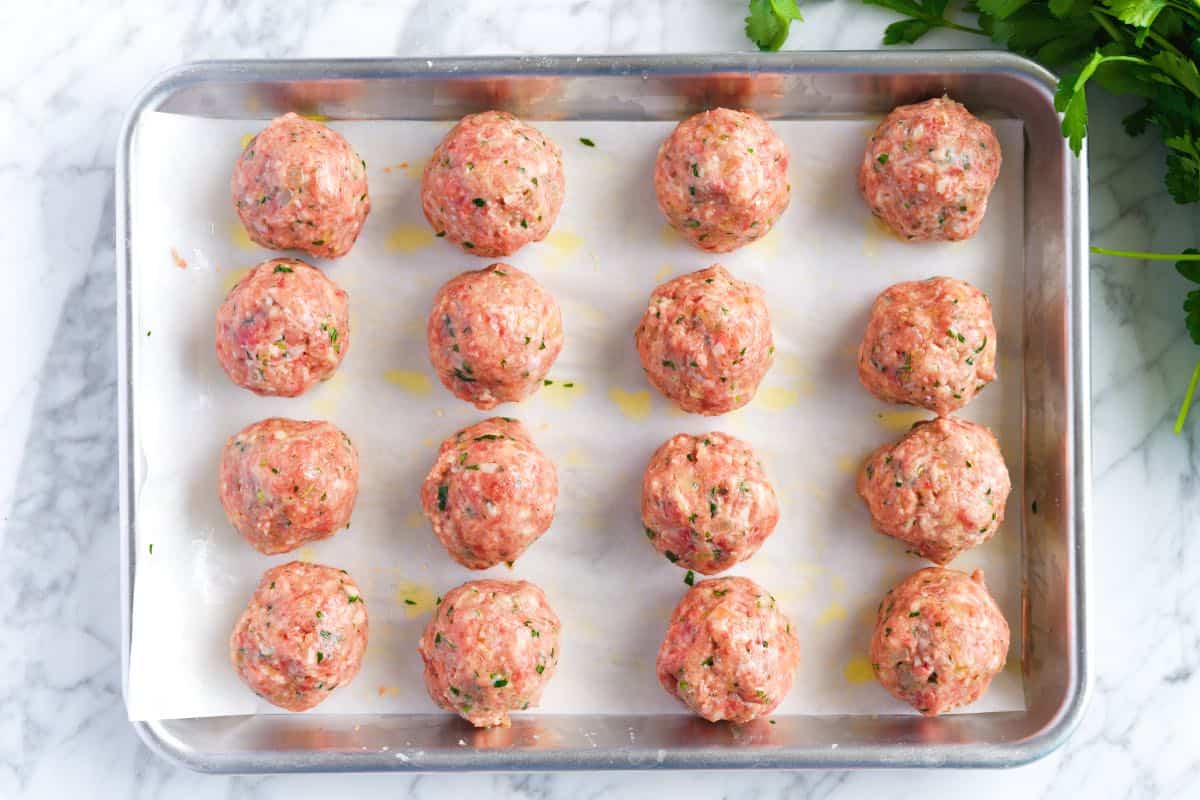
<point>812,422</point>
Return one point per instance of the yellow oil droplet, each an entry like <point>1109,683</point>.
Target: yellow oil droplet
<point>900,421</point>
<point>414,519</point>
<point>411,381</point>
<point>388,691</point>
<point>776,398</point>
<point>768,245</point>
<point>669,235</point>
<point>834,612</point>
<point>847,465</point>
<point>306,554</point>
<point>415,598</point>
<point>561,394</point>
<point>858,670</point>
<point>665,271</point>
<point>574,311</point>
<point>877,232</point>
<point>837,583</point>
<point>414,169</point>
<point>238,235</point>
<point>562,247</point>
<point>634,405</point>
<point>316,117</point>
<point>409,238</point>
<point>576,457</point>
<point>788,364</point>
<point>232,277</point>
<point>326,401</point>
<point>246,139</point>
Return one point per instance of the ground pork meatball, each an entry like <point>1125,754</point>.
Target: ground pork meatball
<point>490,648</point>
<point>729,653</point>
<point>299,185</point>
<point>284,482</point>
<point>705,341</point>
<point>302,635</point>
<point>706,502</point>
<point>940,489</point>
<point>493,185</point>
<point>722,179</point>
<point>493,335</point>
<point>929,343</point>
<point>939,640</point>
<point>928,170</point>
<point>491,493</point>
<point>283,328</point>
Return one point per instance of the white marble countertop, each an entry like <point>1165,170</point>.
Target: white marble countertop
<point>67,75</point>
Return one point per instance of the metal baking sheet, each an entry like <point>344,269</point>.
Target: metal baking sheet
<point>449,89</point>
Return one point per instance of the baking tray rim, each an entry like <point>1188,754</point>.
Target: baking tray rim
<point>1041,743</point>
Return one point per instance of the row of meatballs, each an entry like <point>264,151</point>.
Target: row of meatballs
<point>495,183</point>
<point>729,653</point>
<point>704,340</point>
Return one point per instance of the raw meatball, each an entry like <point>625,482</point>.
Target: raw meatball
<point>705,341</point>
<point>722,179</point>
<point>929,343</point>
<point>939,640</point>
<point>493,335</point>
<point>302,635</point>
<point>941,489</point>
<point>491,493</point>
<point>299,185</point>
<point>493,185</point>
<point>729,653</point>
<point>283,328</point>
<point>284,482</point>
<point>706,502</point>
<point>490,648</point>
<point>928,170</point>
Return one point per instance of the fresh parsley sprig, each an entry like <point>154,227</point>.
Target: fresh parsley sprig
<point>770,21</point>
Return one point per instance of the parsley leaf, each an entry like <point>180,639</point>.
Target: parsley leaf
<point>769,22</point>
<point>1139,13</point>
<point>925,16</point>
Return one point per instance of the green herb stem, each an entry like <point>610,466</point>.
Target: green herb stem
<point>1104,251</point>
<point>1187,400</point>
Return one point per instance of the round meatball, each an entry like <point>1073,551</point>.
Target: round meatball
<point>283,328</point>
<point>284,482</point>
<point>491,493</point>
<point>722,179</point>
<point>706,502</point>
<point>493,335</point>
<point>705,341</point>
<point>299,185</point>
<point>493,185</point>
<point>940,489</point>
<point>490,648</point>
<point>929,343</point>
<point>729,653</point>
<point>302,635</point>
<point>939,640</point>
<point>928,171</point>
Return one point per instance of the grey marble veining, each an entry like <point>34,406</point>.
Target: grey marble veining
<point>67,73</point>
